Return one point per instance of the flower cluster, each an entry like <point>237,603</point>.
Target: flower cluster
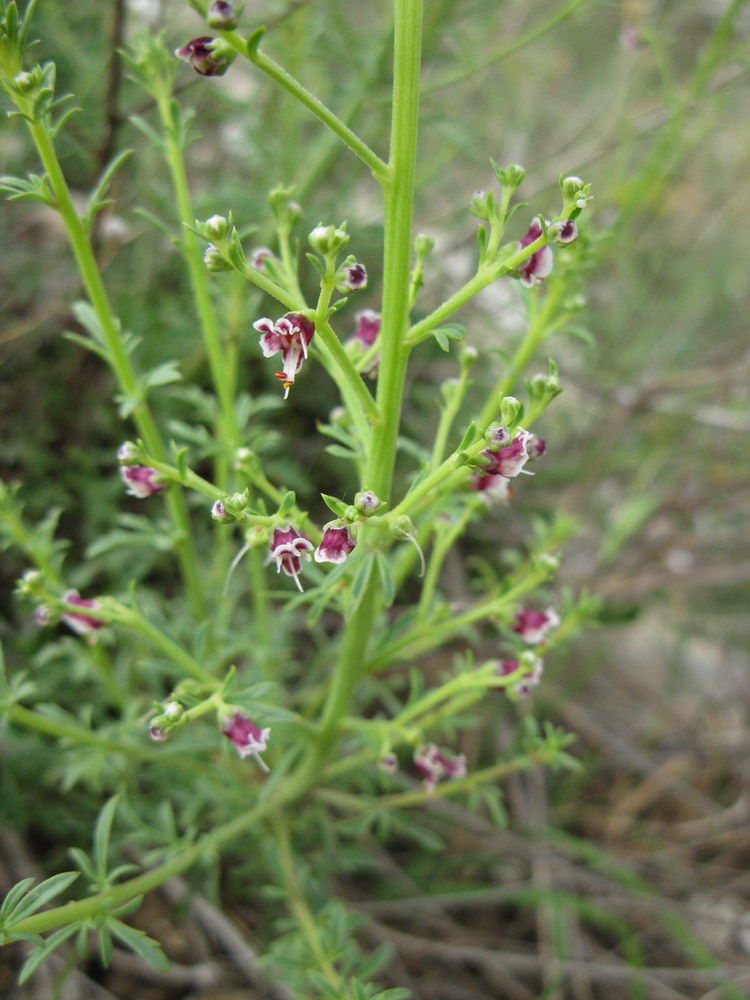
<point>505,463</point>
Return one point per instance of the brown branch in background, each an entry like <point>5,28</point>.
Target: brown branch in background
<point>112,117</point>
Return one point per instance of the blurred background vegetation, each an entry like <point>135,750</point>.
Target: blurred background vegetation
<point>640,859</point>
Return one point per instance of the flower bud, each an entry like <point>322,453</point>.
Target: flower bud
<point>25,83</point>
<point>222,15</point>
<point>482,204</point>
<point>128,453</point>
<point>259,256</point>
<point>423,245</point>
<point>208,56</point>
<point>328,240</point>
<point>511,176</point>
<point>367,503</point>
<point>469,354</point>
<point>496,436</point>
<point>221,514</point>
<point>215,228</point>
<point>214,260</point>
<point>510,410</point>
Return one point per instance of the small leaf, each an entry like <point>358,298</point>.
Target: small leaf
<point>14,895</point>
<point>253,41</point>
<point>105,944</point>
<point>38,955</point>
<point>102,834</point>
<point>315,261</point>
<point>334,504</point>
<point>42,894</point>
<point>139,942</point>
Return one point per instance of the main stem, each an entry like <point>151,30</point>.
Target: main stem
<point>399,202</point>
<point>399,207</point>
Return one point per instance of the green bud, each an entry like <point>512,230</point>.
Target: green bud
<point>220,513</point>
<point>285,210</point>
<point>350,514</point>
<point>328,240</point>
<point>214,260</point>
<point>222,15</point>
<point>548,562</point>
<point>482,204</point>
<point>511,176</point>
<point>469,354</point>
<point>449,388</point>
<point>423,245</point>
<point>26,83</point>
<point>510,410</point>
<point>367,503</point>
<point>215,228</point>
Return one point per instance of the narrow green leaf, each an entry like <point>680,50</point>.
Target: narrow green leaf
<point>359,585</point>
<point>42,894</point>
<point>102,834</point>
<point>139,942</point>
<point>14,895</point>
<point>38,955</point>
<point>334,504</point>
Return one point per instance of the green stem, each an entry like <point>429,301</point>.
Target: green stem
<point>486,274</point>
<point>297,903</point>
<point>444,539</point>
<point>536,332</point>
<point>117,355</point>
<point>77,735</point>
<point>447,415</point>
<point>228,428</point>
<point>349,374</point>
<point>112,611</point>
<point>378,168</point>
<point>423,638</point>
<point>399,206</point>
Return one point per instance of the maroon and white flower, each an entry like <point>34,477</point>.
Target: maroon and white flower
<point>141,480</point>
<point>80,621</point>
<point>259,256</point>
<point>291,335</point>
<point>529,670</point>
<point>336,544</point>
<point>564,232</point>
<point>508,461</point>
<point>288,548</point>
<point>536,267</point>
<point>246,736</point>
<point>536,446</point>
<point>205,56</point>
<point>368,326</point>
<point>434,765</point>
<point>494,489</point>
<point>534,626</point>
<point>351,277</point>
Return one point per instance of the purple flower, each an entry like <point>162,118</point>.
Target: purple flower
<point>221,15</point>
<point>368,326</point>
<point>494,489</point>
<point>536,267</point>
<point>508,461</point>
<point>291,335</point>
<point>201,53</point>
<point>536,446</point>
<point>533,626</point>
<point>351,277</point>
<point>259,256</point>
<point>245,735</point>
<point>529,670</point>
<point>433,764</point>
<point>80,622</point>
<point>288,547</point>
<point>336,544</point>
<point>141,481</point>
<point>564,232</point>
